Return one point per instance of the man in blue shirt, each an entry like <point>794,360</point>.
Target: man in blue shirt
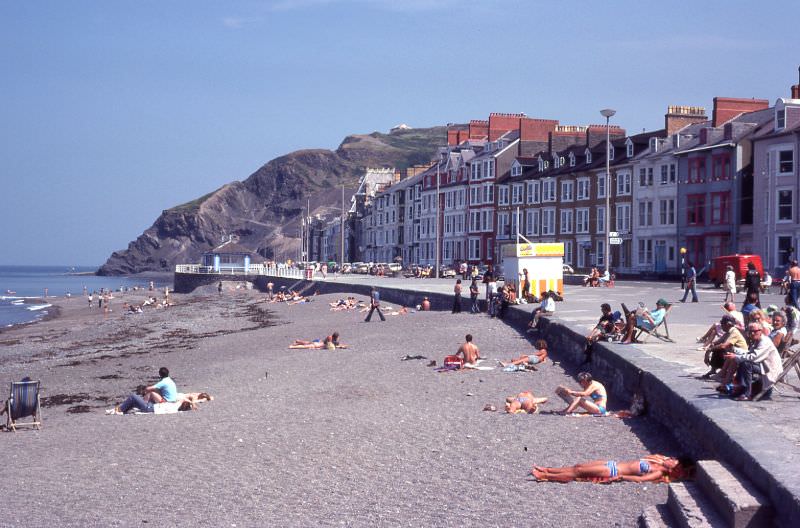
<point>691,283</point>
<point>374,304</point>
<point>163,391</point>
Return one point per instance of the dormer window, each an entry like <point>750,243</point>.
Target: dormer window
<point>561,161</point>
<point>654,144</point>
<point>780,118</point>
<point>629,148</point>
<point>556,163</point>
<point>571,159</point>
<point>588,156</point>
<point>610,152</point>
<point>541,164</point>
<point>516,169</point>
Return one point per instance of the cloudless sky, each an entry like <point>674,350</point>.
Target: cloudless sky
<point>112,111</point>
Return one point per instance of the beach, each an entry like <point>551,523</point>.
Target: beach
<point>350,437</point>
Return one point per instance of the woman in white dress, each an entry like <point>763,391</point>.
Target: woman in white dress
<point>730,284</point>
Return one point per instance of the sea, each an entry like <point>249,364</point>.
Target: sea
<point>22,289</point>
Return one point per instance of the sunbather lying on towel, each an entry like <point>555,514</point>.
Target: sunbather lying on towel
<point>651,468</point>
<point>538,356</point>
<point>330,342</point>
<point>524,402</point>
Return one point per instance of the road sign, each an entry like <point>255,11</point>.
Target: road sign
<point>615,241</point>
<point>613,234</point>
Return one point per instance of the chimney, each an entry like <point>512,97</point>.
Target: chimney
<point>596,134</point>
<point>796,87</point>
<point>565,136</point>
<point>536,129</point>
<point>726,108</point>
<point>680,116</point>
<point>478,129</point>
<point>499,124</point>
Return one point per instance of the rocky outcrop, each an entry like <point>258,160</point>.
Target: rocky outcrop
<point>264,210</point>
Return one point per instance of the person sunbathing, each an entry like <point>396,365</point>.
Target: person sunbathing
<point>330,342</point>
<point>593,398</point>
<point>195,397</point>
<point>538,356</point>
<point>651,468</point>
<point>524,402</point>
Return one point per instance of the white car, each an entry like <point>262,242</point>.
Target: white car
<point>567,269</point>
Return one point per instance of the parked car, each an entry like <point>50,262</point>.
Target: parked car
<point>567,269</point>
<point>360,267</point>
<point>395,266</point>
<point>716,273</point>
<point>447,272</point>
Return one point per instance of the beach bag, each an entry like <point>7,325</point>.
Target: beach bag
<point>453,361</point>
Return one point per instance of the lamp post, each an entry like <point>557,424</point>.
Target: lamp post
<point>436,264</point>
<point>683,268</point>
<point>608,113</point>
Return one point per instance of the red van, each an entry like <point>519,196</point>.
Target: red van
<point>739,263</point>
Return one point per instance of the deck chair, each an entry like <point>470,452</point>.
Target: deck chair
<point>791,361</point>
<point>23,402</point>
<point>661,330</point>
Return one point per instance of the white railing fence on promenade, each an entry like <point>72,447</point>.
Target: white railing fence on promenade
<point>278,270</point>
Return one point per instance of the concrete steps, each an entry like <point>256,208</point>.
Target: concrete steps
<point>717,498</point>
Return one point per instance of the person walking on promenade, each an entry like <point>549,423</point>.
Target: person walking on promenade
<point>473,296</point>
<point>752,283</point>
<point>488,280</point>
<point>794,283</point>
<point>270,290</point>
<point>730,284</point>
<point>457,297</point>
<point>691,282</point>
<point>219,287</point>
<point>374,304</point>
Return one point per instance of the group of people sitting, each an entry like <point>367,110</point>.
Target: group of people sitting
<point>162,397</point>
<point>594,278</point>
<point>744,352</point>
<point>289,297</point>
<point>349,303</point>
<point>614,326</point>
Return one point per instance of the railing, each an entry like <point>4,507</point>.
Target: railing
<point>255,269</point>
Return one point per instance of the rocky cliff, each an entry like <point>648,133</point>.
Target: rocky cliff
<point>265,209</point>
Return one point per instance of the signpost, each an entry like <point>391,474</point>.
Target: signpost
<point>615,241</point>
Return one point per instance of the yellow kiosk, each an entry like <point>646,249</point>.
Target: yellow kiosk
<point>544,262</point>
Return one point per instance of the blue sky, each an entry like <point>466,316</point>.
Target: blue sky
<point>114,111</point>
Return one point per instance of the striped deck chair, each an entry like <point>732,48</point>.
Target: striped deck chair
<point>23,402</point>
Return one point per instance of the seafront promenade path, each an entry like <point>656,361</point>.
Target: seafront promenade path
<point>762,438</point>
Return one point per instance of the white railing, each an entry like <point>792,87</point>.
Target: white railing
<point>255,269</point>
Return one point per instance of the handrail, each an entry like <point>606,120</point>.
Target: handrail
<point>256,270</point>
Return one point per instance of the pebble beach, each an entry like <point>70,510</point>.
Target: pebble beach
<point>352,437</point>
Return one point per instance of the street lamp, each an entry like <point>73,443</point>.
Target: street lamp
<point>683,267</point>
<point>608,113</point>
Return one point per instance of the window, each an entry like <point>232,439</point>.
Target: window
<point>780,118</point>
<point>566,191</point>
<point>786,162</point>
<point>664,174</point>
<point>601,186</point>
<point>474,195</point>
<point>645,213</point>
<point>516,169</point>
<point>721,167</point>
<point>487,220</point>
<point>549,221</point>
<point>582,221</point>
<point>568,251</point>
<point>502,195</point>
<point>695,209</point>
<point>624,218</point>
<point>629,149</point>
<point>533,192</point>
<point>532,222</point>
<point>697,170</point>
<point>673,169</point>
<point>601,220</point>
<point>588,156</point>
<point>516,193</point>
<point>611,152</point>
<point>571,159</point>
<point>645,252</point>
<point>474,248</point>
<point>785,205</point>
<point>623,183</point>
<point>642,177</point>
<point>566,221</point>
<point>548,190</point>
<point>720,207</point>
<point>503,229</point>
<point>474,221</point>
<point>600,254</point>
<point>583,189</point>
<point>488,193</point>
<point>784,247</point>
<point>514,230</point>
<point>666,209</point>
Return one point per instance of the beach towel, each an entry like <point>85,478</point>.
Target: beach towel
<point>476,367</point>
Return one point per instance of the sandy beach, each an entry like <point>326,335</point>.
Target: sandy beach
<point>354,437</point>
